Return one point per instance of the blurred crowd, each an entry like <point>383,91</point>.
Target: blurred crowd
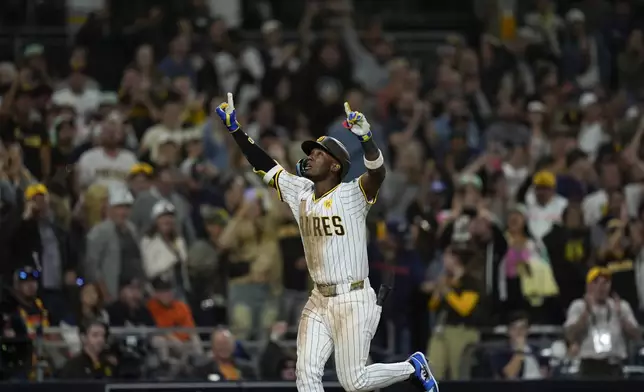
<point>513,194</point>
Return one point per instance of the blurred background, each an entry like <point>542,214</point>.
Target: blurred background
<point>137,243</point>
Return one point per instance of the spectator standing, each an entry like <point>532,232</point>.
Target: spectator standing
<point>570,253</point>
<point>140,178</point>
<point>112,250</point>
<point>601,325</point>
<point>177,63</point>
<point>81,96</point>
<point>544,206</point>
<point>44,243</point>
<point>164,188</point>
<point>164,251</point>
<point>295,276</point>
<point>107,164</point>
<point>456,299</point>
<point>254,270</point>
<point>207,268</point>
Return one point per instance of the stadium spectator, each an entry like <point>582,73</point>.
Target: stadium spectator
<point>88,306</point>
<point>254,272</point>
<point>458,303</point>
<point>520,360</point>
<point>129,309</point>
<point>107,164</point>
<point>223,366</point>
<point>165,188</point>
<point>42,242</point>
<point>91,363</point>
<point>112,250</point>
<point>601,324</point>
<point>207,269</point>
<point>169,312</point>
<point>570,253</point>
<point>277,362</point>
<point>164,251</point>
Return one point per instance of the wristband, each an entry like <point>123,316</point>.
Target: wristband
<point>365,138</point>
<point>376,164</point>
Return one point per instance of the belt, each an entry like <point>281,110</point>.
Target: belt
<point>332,290</point>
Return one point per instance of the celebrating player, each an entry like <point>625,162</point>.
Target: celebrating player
<point>342,313</point>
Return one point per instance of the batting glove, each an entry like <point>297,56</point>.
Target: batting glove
<point>226,111</point>
<point>357,123</point>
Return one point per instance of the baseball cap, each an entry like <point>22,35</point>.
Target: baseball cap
<point>544,179</point>
<point>162,208</point>
<point>587,99</point>
<point>333,147</point>
<point>141,168</point>
<point>34,190</point>
<point>575,15</point>
<point>120,197</point>
<point>596,272</point>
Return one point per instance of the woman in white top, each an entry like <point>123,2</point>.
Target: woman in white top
<point>164,250</point>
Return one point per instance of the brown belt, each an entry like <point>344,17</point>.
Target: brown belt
<point>331,290</point>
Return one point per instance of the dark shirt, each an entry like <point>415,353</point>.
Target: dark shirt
<point>295,276</point>
<point>131,264</point>
<point>82,367</point>
<point>121,314</point>
<point>502,357</point>
<point>32,137</point>
<point>623,275</point>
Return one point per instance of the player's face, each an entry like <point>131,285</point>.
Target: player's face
<point>320,165</point>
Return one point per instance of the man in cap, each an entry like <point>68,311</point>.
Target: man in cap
<point>601,325</point>
<point>544,206</point>
<point>113,252</point>
<point>41,242</point>
<point>332,224</point>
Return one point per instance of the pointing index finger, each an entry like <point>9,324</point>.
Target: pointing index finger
<point>231,102</point>
<point>347,109</point>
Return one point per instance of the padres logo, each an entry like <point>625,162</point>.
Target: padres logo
<point>327,204</point>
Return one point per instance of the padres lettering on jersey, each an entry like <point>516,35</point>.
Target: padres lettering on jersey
<point>332,227</point>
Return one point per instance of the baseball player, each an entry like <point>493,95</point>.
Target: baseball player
<point>342,313</point>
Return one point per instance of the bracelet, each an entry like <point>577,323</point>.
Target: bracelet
<point>376,164</point>
<point>365,138</point>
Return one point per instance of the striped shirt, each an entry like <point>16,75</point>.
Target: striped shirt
<point>333,227</point>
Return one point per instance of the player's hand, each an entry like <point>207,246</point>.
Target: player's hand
<point>357,123</point>
<point>227,114</point>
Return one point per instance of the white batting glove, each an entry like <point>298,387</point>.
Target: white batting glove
<point>357,123</point>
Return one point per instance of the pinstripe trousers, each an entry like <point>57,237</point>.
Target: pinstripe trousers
<point>344,324</point>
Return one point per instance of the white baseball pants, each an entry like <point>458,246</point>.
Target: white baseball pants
<point>345,324</point>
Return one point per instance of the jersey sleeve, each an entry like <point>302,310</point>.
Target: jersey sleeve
<point>356,199</point>
<point>289,186</point>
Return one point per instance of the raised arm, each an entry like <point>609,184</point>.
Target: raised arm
<point>262,163</point>
<point>371,181</point>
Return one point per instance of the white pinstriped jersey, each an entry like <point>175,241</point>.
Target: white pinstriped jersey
<point>333,227</point>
